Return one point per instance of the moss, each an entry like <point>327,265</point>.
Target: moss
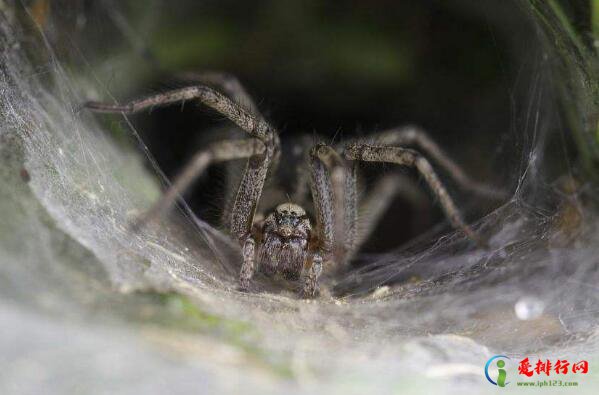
<point>176,311</point>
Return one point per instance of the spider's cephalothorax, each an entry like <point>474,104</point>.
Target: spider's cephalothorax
<point>287,244</point>
<point>285,237</point>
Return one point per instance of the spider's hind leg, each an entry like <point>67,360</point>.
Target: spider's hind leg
<point>216,152</point>
<point>412,136</point>
<point>411,158</point>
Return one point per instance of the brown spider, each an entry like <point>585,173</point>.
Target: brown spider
<point>286,242</point>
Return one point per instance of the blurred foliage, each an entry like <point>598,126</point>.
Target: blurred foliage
<point>569,28</point>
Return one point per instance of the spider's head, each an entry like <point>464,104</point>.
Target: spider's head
<point>289,221</point>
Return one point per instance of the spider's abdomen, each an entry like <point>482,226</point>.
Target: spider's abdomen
<point>285,241</point>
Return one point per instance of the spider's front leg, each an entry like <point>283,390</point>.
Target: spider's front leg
<point>313,271</point>
<point>262,150</point>
<point>248,267</point>
<point>244,207</point>
<point>335,201</point>
<point>334,194</point>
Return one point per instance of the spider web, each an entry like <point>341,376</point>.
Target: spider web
<point>73,273</point>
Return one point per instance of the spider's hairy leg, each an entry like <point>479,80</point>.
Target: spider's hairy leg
<point>216,152</point>
<point>227,84</point>
<point>411,158</point>
<point>254,126</point>
<point>255,173</point>
<point>310,283</point>
<point>248,267</point>
<point>248,194</point>
<point>232,88</point>
<point>244,207</point>
<point>414,136</point>
<point>252,181</point>
<point>334,193</point>
<point>351,210</point>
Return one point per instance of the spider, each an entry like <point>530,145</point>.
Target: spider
<point>285,242</point>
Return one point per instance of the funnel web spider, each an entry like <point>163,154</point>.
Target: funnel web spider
<point>286,242</point>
